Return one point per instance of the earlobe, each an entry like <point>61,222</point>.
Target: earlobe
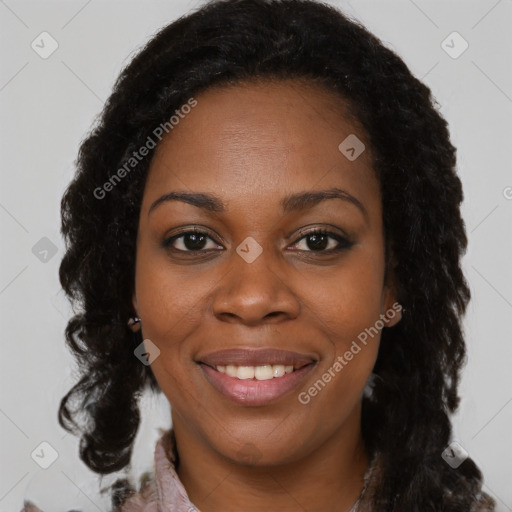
<point>393,313</point>
<point>392,309</point>
<point>134,323</point>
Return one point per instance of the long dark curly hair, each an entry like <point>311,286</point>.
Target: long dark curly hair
<point>406,418</point>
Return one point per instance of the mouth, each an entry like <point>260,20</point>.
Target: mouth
<point>255,377</point>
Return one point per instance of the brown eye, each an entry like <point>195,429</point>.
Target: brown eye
<point>189,241</point>
<point>323,241</point>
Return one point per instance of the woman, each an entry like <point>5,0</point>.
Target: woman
<point>265,227</point>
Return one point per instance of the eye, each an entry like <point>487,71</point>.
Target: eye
<point>317,240</point>
<point>192,240</point>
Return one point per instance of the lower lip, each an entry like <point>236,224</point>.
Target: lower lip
<point>254,392</point>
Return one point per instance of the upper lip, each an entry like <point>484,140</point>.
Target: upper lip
<point>255,357</point>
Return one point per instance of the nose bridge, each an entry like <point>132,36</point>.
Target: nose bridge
<point>253,288</point>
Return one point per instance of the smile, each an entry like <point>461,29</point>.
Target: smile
<point>255,377</point>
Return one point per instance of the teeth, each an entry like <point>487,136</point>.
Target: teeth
<point>278,370</point>
<point>245,372</point>
<point>230,370</point>
<point>264,372</point>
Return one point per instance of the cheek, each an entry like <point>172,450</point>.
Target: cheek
<point>169,308</point>
<point>168,311</point>
<point>346,311</point>
<point>347,299</point>
<point>168,301</point>
<point>346,307</point>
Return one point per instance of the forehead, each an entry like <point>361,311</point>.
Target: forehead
<point>261,140</point>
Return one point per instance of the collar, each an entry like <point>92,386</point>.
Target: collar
<point>172,496</point>
<point>167,494</point>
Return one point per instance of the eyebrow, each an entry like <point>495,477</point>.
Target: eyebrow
<point>290,203</point>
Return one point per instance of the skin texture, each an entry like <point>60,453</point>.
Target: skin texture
<point>251,145</point>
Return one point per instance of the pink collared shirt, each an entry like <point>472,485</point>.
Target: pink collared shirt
<point>164,492</point>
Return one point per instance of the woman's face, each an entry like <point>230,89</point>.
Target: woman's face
<point>256,276</point>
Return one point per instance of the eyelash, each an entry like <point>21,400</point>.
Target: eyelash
<point>343,243</point>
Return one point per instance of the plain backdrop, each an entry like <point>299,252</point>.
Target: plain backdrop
<point>47,107</point>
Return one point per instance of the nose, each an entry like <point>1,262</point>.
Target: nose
<point>256,292</point>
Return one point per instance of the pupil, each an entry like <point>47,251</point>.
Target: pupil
<point>194,241</point>
<point>318,242</point>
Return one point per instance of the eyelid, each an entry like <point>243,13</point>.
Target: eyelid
<point>326,228</point>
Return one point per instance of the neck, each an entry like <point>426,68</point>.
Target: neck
<point>329,478</point>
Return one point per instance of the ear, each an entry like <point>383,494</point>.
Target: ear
<point>391,309</point>
<point>134,303</point>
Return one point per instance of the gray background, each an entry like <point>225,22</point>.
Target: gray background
<point>48,105</point>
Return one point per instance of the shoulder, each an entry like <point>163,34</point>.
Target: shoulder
<point>28,506</point>
<point>483,503</point>
<point>145,500</point>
